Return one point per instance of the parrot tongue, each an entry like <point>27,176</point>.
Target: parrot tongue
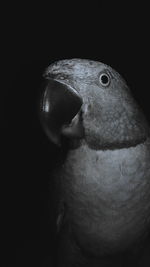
<point>60,111</point>
<point>75,128</point>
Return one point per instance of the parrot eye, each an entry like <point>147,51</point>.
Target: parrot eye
<point>104,79</point>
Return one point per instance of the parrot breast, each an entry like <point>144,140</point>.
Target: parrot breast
<point>108,196</point>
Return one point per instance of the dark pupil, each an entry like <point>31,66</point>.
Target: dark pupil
<point>104,79</point>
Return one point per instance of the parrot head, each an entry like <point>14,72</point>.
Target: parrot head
<point>89,101</point>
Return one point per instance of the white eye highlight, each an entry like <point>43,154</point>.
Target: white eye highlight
<point>104,79</point>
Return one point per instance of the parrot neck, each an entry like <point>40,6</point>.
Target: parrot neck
<point>125,129</point>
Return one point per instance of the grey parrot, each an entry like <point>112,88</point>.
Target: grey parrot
<point>103,185</point>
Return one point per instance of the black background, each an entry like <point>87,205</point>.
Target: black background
<point>32,37</point>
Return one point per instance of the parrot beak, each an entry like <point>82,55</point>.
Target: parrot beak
<point>60,111</point>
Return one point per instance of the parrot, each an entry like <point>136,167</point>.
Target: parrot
<point>102,186</point>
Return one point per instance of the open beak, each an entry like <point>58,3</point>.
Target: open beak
<point>60,111</point>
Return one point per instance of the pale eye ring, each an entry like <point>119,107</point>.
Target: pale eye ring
<point>104,79</point>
